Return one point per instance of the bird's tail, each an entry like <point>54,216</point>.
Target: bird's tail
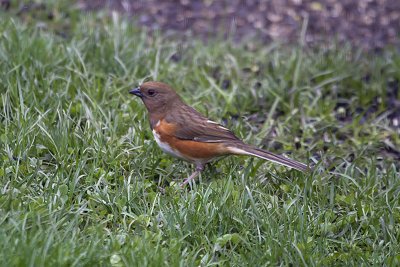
<point>243,149</point>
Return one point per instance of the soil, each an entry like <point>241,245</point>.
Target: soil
<point>369,24</point>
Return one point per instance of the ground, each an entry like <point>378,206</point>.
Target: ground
<point>83,183</point>
<point>370,24</point>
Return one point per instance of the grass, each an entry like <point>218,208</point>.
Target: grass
<point>80,174</point>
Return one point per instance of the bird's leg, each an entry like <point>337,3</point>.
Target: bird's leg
<point>199,168</point>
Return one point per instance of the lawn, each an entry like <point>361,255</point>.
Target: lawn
<point>83,183</point>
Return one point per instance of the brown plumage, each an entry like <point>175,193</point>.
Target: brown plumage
<point>183,132</point>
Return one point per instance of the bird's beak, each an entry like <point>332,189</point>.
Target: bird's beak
<point>136,91</point>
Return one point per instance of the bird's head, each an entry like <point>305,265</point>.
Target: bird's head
<point>156,96</point>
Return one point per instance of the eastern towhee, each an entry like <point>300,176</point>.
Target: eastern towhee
<point>184,133</point>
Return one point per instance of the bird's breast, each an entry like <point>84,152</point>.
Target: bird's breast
<point>165,146</point>
<point>189,150</point>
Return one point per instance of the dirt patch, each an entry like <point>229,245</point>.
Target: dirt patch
<point>370,24</point>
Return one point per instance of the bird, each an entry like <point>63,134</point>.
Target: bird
<point>184,133</point>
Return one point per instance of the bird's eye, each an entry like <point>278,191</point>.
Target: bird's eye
<point>151,92</point>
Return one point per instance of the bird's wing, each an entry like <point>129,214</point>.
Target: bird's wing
<point>191,125</point>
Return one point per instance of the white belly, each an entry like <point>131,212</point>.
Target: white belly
<point>165,147</point>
